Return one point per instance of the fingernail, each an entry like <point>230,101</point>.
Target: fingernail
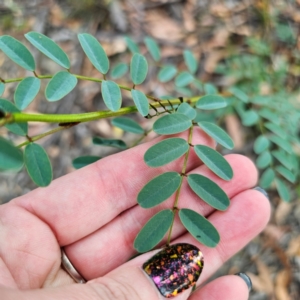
<point>247,279</point>
<point>175,268</point>
<point>258,188</point>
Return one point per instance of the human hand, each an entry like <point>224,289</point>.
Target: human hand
<point>94,215</point>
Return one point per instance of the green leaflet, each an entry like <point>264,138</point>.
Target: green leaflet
<point>60,85</point>
<point>208,102</point>
<point>165,152</point>
<point>287,174</point>
<point>128,124</point>
<point>190,61</point>
<point>49,48</point>
<point>131,45</point>
<point>16,128</point>
<point>166,73</point>
<point>138,68</point>
<point>208,191</point>
<point>183,79</point>
<point>276,129</point>
<point>217,133</point>
<point>187,110</point>
<point>285,145</point>
<point>2,88</point>
<point>269,115</point>
<point>119,70</point>
<point>141,102</point>
<point>26,91</point>
<point>94,51</point>
<point>283,158</point>
<point>17,52</point>
<point>283,190</point>
<point>153,231</point>
<point>11,157</point>
<point>267,178</point>
<point>152,48</point>
<point>171,124</point>
<point>38,164</point>
<point>199,227</point>
<point>159,189</point>
<point>111,95</point>
<point>238,93</point>
<point>109,142</point>
<point>83,161</point>
<point>264,160</point>
<point>250,117</point>
<point>214,161</point>
<point>261,144</point>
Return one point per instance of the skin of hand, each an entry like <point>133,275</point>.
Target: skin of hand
<point>93,214</point>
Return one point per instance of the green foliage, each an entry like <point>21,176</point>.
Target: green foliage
<point>11,158</point>
<point>187,110</point>
<point>109,142</point>
<point>159,189</point>
<point>141,102</point>
<point>83,161</point>
<point>209,102</point>
<point>190,61</point>
<point>138,68</point>
<point>171,124</point>
<point>166,73</point>
<point>128,125</point>
<point>165,152</point>
<point>38,164</point>
<point>199,227</point>
<point>152,48</point>
<point>2,88</point>
<point>49,48</point>
<point>26,91</point>
<point>154,231</point>
<point>17,52</point>
<point>119,70</point>
<point>111,94</point>
<point>183,79</point>
<point>60,85</point>
<point>94,52</point>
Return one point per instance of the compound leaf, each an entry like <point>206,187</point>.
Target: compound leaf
<point>261,144</point>
<point>119,70</point>
<point>264,160</point>
<point>138,68</point>
<point>16,128</point>
<point>208,191</point>
<point>38,164</point>
<point>11,157</point>
<point>109,142</point>
<point>183,79</point>
<point>217,133</point>
<point>111,95</point>
<point>60,85</point>
<point>128,124</point>
<point>166,73</point>
<point>159,189</point>
<point>17,52</point>
<point>208,102</point>
<point>269,115</point>
<point>141,102</point>
<point>283,158</point>
<point>287,174</point>
<point>283,190</point>
<point>186,109</point>
<point>94,51</point>
<point>26,91</point>
<point>165,151</point>
<point>83,161</point>
<point>49,48</point>
<point>199,227</point>
<point>171,124</point>
<point>190,61</point>
<point>267,178</point>
<point>214,161</point>
<point>152,48</point>
<point>276,129</point>
<point>153,231</point>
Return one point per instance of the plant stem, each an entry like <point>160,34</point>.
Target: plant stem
<point>84,117</point>
<point>39,136</point>
<point>175,206</point>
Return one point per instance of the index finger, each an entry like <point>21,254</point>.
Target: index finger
<point>79,203</point>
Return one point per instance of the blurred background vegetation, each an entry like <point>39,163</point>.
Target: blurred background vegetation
<point>248,50</point>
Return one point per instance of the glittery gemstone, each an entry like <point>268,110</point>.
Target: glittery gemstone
<point>175,268</point>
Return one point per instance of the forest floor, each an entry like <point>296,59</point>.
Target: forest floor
<point>212,30</point>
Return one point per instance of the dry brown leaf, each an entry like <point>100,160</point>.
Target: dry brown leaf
<point>234,128</point>
<point>274,232</point>
<point>56,15</point>
<point>282,211</point>
<point>220,39</point>
<point>220,10</point>
<point>282,283</point>
<point>114,46</point>
<point>213,59</point>
<point>189,22</point>
<point>294,247</point>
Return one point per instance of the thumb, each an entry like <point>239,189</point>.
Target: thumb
<point>162,274</point>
